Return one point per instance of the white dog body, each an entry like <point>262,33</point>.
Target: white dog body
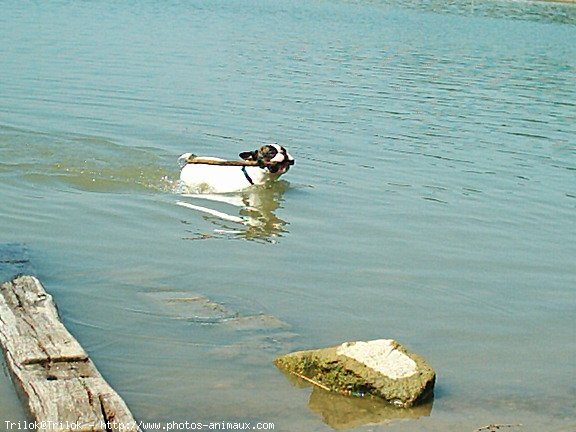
<point>203,178</point>
<point>221,179</point>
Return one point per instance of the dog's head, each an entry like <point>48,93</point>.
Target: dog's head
<point>274,156</point>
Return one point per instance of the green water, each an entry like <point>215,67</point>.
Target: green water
<point>433,200</point>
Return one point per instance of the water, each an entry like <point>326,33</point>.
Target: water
<point>432,201</point>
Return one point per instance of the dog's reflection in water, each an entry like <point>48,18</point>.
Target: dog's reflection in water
<point>253,216</point>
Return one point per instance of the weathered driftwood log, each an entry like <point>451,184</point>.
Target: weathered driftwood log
<point>380,368</point>
<point>63,388</point>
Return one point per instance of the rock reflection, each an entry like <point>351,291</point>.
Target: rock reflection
<point>254,216</point>
<point>345,412</point>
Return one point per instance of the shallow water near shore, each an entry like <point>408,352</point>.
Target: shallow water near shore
<point>433,200</point>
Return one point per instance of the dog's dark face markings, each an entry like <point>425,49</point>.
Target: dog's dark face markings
<point>274,153</point>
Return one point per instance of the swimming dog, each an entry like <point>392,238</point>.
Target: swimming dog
<point>271,161</point>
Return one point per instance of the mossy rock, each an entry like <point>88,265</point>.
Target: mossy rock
<point>380,368</point>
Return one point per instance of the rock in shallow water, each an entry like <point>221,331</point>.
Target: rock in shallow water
<point>380,368</point>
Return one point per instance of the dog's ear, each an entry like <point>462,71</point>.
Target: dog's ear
<point>249,155</point>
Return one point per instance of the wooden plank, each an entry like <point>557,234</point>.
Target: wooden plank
<point>63,388</point>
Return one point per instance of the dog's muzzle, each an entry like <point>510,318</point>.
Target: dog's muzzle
<point>281,167</point>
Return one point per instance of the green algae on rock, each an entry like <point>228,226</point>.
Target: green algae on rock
<point>380,368</point>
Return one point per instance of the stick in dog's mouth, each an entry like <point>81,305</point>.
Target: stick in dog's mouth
<point>199,160</point>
